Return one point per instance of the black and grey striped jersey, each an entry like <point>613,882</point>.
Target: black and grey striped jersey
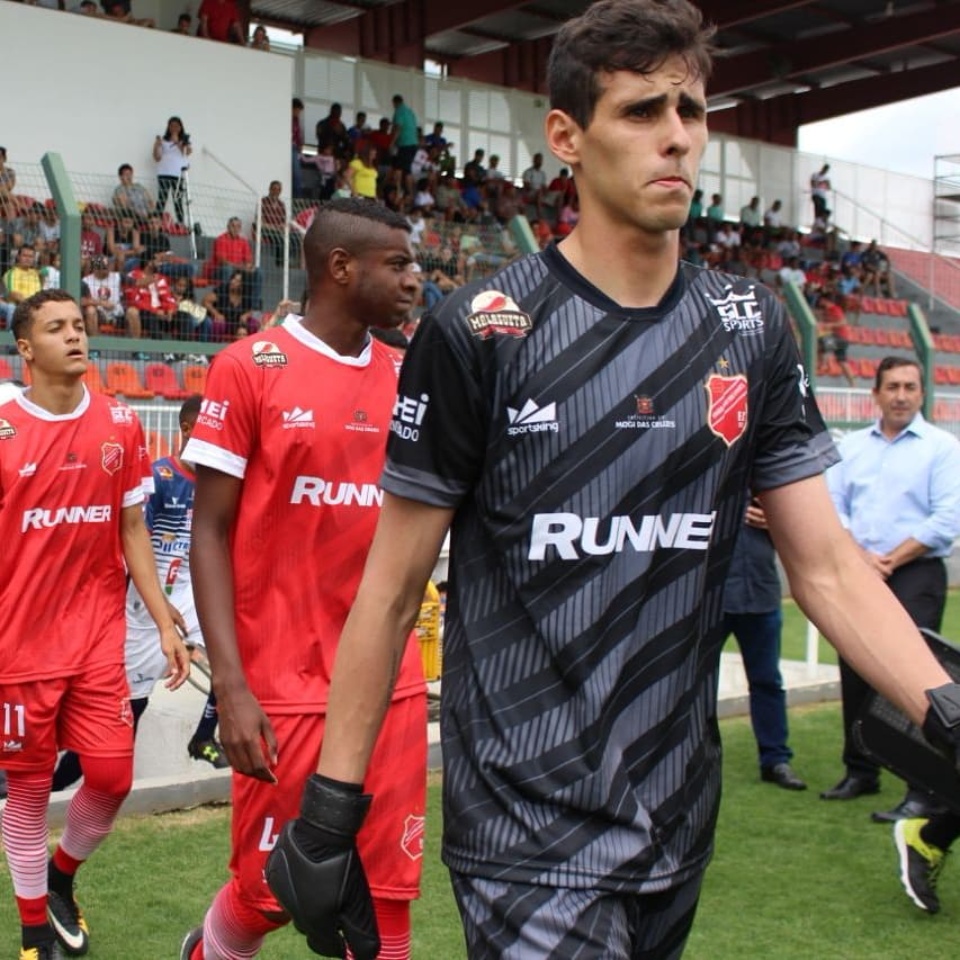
<point>597,459</point>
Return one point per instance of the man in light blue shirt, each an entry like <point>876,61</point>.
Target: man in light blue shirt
<point>897,491</point>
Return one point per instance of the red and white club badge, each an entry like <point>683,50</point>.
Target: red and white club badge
<point>727,406</point>
<point>111,457</point>
<point>412,839</point>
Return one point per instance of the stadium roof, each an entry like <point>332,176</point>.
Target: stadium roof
<point>780,63</point>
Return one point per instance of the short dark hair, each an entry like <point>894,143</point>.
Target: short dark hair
<point>27,309</point>
<point>894,363</point>
<point>611,35</point>
<point>122,167</point>
<point>296,104</point>
<point>190,407</point>
<point>345,222</point>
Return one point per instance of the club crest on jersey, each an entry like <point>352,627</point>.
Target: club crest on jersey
<point>268,354</point>
<point>727,406</point>
<point>7,430</point>
<point>740,312</point>
<point>126,712</point>
<point>111,457</point>
<point>494,312</point>
<point>412,839</point>
<point>165,472</point>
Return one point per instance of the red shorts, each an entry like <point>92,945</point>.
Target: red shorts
<point>391,839</point>
<point>88,713</point>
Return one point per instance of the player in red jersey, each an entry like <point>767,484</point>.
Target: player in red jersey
<point>289,447</point>
<point>72,472</point>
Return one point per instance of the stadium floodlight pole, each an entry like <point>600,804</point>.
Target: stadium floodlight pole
<point>69,212</point>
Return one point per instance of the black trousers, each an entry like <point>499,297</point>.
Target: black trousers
<point>921,587</point>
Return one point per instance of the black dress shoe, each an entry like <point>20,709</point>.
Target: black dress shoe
<point>907,809</point>
<point>782,776</point>
<point>851,787</point>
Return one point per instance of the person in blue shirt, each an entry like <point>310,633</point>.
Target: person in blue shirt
<point>752,613</point>
<point>897,490</point>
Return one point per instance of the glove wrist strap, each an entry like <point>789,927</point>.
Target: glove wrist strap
<point>338,808</point>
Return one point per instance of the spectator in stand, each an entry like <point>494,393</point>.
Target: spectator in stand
<point>171,153</point>
<point>424,162</point>
<point>156,247</point>
<point>91,240</point>
<point>417,227</point>
<point>131,197</point>
<point>184,23</point>
<point>773,221</point>
<point>152,305</point>
<point>853,257</point>
<point>750,215</point>
<point>21,281</point>
<point>789,246</point>
<point>727,236</point>
<point>120,11</point>
<point>382,139</point>
<point>423,199</point>
<point>104,304</point>
<point>569,215</point>
<point>848,283</point>
<point>535,184</point>
<point>26,228</point>
<point>494,173</point>
<point>449,201</point>
<point>715,216</point>
<point>394,191</point>
<point>436,138</point>
<point>562,188</point>
<point>296,146</point>
<point>273,224</point>
<point>192,320</point>
<point>231,254</point>
<point>404,134</point>
<point>791,272</point>
<point>331,131</point>
<point>362,173</point>
<point>831,320</point>
<point>507,202</point>
<point>220,20</point>
<point>50,228</point>
<point>820,194</point>
<point>8,177</point>
<point>876,271</point>
<point>359,131</point>
<point>124,244</point>
<point>475,170</point>
<point>89,9</point>
<point>232,314</point>
<point>327,170</point>
<point>260,40</point>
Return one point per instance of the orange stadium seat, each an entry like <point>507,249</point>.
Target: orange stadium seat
<point>901,339</point>
<point>123,378</point>
<point>157,445</point>
<point>941,375</point>
<point>953,375</point>
<point>6,371</point>
<point>194,379</point>
<point>161,379</point>
<point>882,338</point>
<point>868,304</point>
<point>898,308</point>
<point>94,380</point>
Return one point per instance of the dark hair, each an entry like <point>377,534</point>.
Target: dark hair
<point>122,167</point>
<point>183,133</point>
<point>634,35</point>
<point>345,223</point>
<point>894,363</point>
<point>190,407</point>
<point>26,309</point>
<point>296,104</point>
<point>3,152</point>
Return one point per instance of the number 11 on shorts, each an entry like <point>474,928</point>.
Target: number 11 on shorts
<point>14,720</point>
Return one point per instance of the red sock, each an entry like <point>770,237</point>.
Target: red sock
<point>393,923</point>
<point>65,863</point>
<point>33,911</point>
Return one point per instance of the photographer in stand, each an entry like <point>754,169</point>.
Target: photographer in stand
<point>170,153</point>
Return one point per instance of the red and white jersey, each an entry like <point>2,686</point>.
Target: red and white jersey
<point>64,481</point>
<point>306,430</point>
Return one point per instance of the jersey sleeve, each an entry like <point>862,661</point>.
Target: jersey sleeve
<point>137,475</point>
<point>437,434</point>
<point>224,435</point>
<point>792,440</point>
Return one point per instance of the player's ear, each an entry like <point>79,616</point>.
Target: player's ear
<point>339,263</point>
<point>563,137</point>
<point>24,348</point>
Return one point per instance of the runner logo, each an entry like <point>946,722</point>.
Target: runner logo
<point>532,419</point>
<point>297,418</point>
<point>39,518</point>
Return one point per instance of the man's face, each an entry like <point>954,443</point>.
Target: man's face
<point>899,397</point>
<point>126,177</point>
<point>126,224</point>
<point>537,161</point>
<point>385,289</point>
<point>26,258</point>
<point>155,224</point>
<point>234,227</point>
<point>275,190</point>
<point>56,340</point>
<point>86,221</point>
<point>637,161</point>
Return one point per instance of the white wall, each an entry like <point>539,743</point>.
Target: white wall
<point>99,92</point>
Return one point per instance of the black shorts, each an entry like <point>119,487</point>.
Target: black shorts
<point>404,158</point>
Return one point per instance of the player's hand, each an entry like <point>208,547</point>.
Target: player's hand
<point>882,565</point>
<point>246,734</point>
<point>755,517</point>
<point>178,657</point>
<point>942,724</point>
<point>315,872</point>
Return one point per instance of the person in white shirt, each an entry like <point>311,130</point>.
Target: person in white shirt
<point>791,273</point>
<point>105,303</point>
<point>171,153</point>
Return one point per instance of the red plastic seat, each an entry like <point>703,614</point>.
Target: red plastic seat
<point>123,378</point>
<point>883,338</point>
<point>953,375</point>
<point>161,379</point>
<point>941,375</point>
<point>194,379</point>
<point>94,380</point>
<point>6,371</point>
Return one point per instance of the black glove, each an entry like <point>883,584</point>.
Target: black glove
<point>942,723</point>
<point>315,872</point>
